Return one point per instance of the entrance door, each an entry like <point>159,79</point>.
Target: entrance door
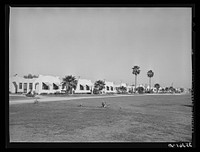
<point>15,87</point>
<point>25,87</point>
<point>37,88</point>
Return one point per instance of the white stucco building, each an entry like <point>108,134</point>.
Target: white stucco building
<point>42,84</point>
<point>47,84</point>
<point>109,87</point>
<point>130,88</point>
<point>19,84</point>
<point>84,86</point>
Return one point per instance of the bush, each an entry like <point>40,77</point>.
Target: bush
<point>110,93</point>
<point>95,91</point>
<point>131,91</point>
<point>30,95</point>
<point>19,92</point>
<point>57,92</point>
<point>140,90</point>
<point>43,93</point>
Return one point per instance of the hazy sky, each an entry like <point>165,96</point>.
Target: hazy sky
<point>103,43</point>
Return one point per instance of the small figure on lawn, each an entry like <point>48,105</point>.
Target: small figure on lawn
<point>80,105</point>
<point>34,95</point>
<point>103,104</point>
<point>36,101</point>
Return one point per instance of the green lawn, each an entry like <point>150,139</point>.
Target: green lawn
<point>131,118</point>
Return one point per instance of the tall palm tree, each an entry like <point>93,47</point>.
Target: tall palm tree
<point>157,86</point>
<point>136,71</point>
<point>123,89</point>
<point>70,83</point>
<point>99,86</point>
<point>150,74</point>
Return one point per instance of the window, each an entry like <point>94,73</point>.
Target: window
<point>25,87</point>
<point>55,87</point>
<point>81,87</point>
<point>107,88</point>
<point>30,86</point>
<point>36,85</point>
<point>87,87</point>
<point>20,85</point>
<point>111,88</point>
<point>45,87</point>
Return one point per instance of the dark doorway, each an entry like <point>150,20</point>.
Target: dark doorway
<point>25,87</point>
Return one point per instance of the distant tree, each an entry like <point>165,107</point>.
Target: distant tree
<point>122,89</point>
<point>182,89</point>
<point>157,86</point>
<point>70,83</point>
<point>150,74</point>
<point>163,90</point>
<point>136,71</point>
<point>166,89</point>
<point>35,76</point>
<point>30,76</point>
<point>99,86</point>
<point>140,90</point>
<point>171,89</point>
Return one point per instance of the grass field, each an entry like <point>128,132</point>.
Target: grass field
<point>154,118</point>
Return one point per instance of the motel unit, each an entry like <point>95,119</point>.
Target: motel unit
<point>109,87</point>
<point>84,86</point>
<point>42,84</point>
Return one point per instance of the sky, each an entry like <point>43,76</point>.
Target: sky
<point>103,43</point>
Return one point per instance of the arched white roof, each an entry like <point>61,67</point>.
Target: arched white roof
<point>48,79</point>
<point>123,84</point>
<point>21,79</point>
<point>85,82</point>
<point>109,83</point>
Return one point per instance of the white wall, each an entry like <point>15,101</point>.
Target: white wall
<point>109,84</point>
<point>84,82</point>
<point>40,79</point>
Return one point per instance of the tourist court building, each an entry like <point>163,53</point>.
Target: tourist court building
<point>109,87</point>
<point>42,84</point>
<point>84,86</point>
<point>46,85</point>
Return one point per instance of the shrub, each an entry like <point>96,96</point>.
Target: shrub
<point>43,93</point>
<point>182,89</point>
<point>57,92</point>
<point>110,93</point>
<point>140,90</point>
<point>19,92</point>
<point>96,91</point>
<point>30,95</point>
<point>130,91</point>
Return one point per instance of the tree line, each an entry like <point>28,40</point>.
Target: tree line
<point>70,83</point>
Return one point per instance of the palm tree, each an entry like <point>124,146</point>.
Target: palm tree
<point>70,83</point>
<point>98,86</point>
<point>157,86</point>
<point>122,89</point>
<point>136,71</point>
<point>166,89</point>
<point>171,89</point>
<point>150,74</point>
